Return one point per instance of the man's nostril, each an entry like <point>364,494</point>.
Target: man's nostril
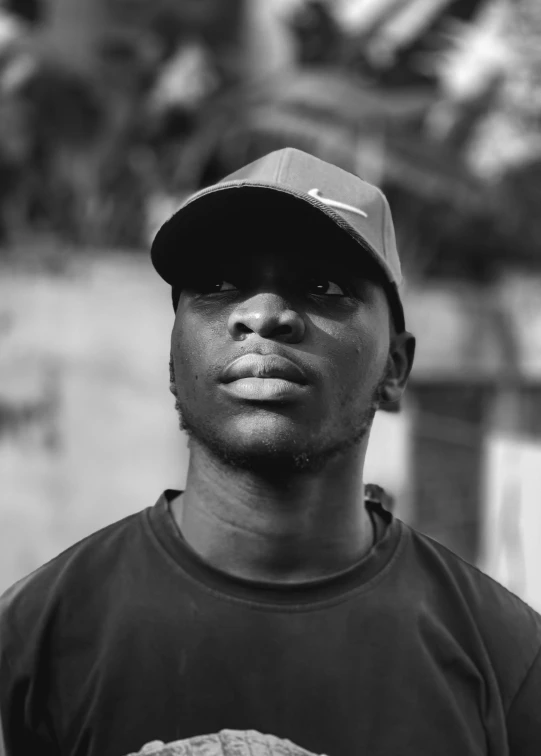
<point>282,330</point>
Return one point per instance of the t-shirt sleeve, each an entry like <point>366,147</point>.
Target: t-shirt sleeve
<point>2,744</point>
<point>18,735</point>
<point>524,715</point>
<point>15,738</point>
<point>20,741</point>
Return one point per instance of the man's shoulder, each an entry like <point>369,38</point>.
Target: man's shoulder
<point>72,570</point>
<point>509,628</point>
<point>476,587</point>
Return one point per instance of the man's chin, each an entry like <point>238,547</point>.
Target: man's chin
<point>270,455</point>
<point>267,463</point>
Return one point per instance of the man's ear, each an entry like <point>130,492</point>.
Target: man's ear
<point>401,354</point>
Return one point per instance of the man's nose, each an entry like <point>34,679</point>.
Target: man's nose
<point>268,315</point>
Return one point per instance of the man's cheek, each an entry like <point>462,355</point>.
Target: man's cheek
<point>193,385</point>
<point>183,371</point>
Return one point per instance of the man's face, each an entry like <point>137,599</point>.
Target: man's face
<point>313,334</point>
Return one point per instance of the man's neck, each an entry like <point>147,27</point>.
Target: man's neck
<point>307,527</point>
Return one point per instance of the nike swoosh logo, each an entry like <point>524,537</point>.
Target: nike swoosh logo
<point>335,203</point>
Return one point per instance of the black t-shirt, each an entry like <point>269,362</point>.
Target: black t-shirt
<point>129,637</point>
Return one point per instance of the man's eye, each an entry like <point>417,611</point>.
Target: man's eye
<point>324,287</point>
<point>224,286</point>
<point>214,286</point>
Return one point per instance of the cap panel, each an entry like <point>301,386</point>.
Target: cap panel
<point>389,241</point>
<point>357,207</point>
<point>264,169</point>
<point>306,173</point>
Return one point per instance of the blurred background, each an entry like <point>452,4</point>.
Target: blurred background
<point>112,111</point>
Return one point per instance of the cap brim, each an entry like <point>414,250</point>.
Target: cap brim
<point>199,227</point>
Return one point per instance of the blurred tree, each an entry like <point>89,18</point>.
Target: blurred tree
<point>318,34</point>
<point>389,40</point>
<point>28,10</point>
<point>180,93</point>
<point>90,101</point>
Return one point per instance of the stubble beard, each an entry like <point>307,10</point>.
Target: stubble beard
<point>274,461</point>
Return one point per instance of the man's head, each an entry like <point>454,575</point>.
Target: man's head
<point>289,330</point>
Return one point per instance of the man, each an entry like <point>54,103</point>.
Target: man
<point>272,594</point>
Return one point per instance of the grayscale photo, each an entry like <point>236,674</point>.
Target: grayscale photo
<point>270,378</point>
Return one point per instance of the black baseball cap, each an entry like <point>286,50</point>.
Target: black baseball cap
<point>285,178</point>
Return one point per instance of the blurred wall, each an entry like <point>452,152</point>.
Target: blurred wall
<point>88,431</point>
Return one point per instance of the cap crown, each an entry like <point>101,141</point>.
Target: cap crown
<point>362,209</point>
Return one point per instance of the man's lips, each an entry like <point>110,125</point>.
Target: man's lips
<point>263,366</point>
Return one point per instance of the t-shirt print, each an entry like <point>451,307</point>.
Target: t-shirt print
<point>225,743</point>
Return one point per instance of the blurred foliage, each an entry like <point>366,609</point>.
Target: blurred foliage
<point>440,104</point>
